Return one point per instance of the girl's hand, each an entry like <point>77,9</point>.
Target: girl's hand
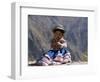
<point>58,59</point>
<point>60,44</point>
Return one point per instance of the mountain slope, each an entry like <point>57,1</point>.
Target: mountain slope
<point>40,34</point>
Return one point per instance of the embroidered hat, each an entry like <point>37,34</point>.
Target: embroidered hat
<point>59,28</point>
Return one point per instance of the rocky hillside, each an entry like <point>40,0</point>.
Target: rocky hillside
<point>40,34</point>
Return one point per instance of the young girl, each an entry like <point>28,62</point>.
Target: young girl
<point>58,54</point>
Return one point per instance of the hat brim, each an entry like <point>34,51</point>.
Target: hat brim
<point>61,30</point>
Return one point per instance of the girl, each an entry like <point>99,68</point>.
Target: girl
<point>58,54</point>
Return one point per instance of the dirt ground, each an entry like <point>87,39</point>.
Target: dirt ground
<point>33,63</point>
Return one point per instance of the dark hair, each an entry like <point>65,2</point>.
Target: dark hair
<point>58,30</point>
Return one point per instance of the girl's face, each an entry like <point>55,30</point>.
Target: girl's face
<point>58,34</point>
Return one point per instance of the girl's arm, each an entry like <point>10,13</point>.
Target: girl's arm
<point>55,45</point>
<point>64,44</point>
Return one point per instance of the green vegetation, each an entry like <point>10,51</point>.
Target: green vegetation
<point>84,57</point>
